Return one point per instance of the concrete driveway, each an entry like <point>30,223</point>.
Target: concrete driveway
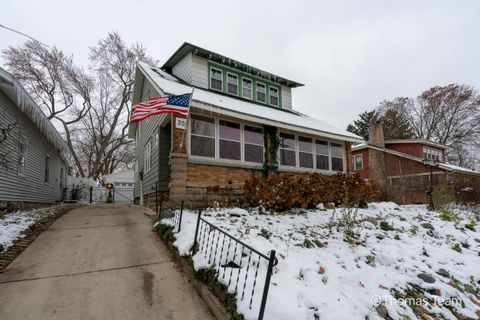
<point>98,262</point>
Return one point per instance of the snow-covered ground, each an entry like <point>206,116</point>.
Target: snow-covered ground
<point>348,264</point>
<point>13,225</point>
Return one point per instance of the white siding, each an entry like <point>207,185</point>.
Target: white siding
<point>286,98</point>
<point>183,69</point>
<point>199,72</point>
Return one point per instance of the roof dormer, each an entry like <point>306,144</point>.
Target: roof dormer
<point>209,70</point>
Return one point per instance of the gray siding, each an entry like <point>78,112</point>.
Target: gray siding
<point>146,130</point>
<point>183,69</point>
<point>30,187</point>
<point>286,97</point>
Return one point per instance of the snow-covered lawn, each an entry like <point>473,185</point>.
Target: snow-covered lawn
<point>348,264</point>
<point>14,224</point>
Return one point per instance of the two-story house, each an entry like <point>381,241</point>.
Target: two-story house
<point>401,172</point>
<point>241,121</point>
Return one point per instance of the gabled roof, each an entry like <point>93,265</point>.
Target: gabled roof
<point>22,100</point>
<point>419,141</point>
<point>186,48</point>
<point>444,166</point>
<point>230,106</point>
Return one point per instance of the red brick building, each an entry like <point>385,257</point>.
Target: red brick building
<point>397,167</point>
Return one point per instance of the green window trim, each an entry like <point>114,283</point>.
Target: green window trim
<point>240,76</point>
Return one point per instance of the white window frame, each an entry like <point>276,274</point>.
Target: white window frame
<point>314,153</point>
<point>215,137</point>
<point>210,78</point>
<point>217,158</point>
<point>355,162</point>
<point>24,173</point>
<point>295,149</point>
<point>430,153</point>
<point>147,160</point>
<point>238,85</point>
<point>269,96</point>
<point>156,138</point>
<point>251,88</point>
<point>257,83</point>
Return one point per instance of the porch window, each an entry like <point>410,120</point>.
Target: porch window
<point>247,88</point>
<point>261,92</point>
<point>358,162</point>
<point>273,94</point>
<point>253,144</point>
<point>216,79</point>
<point>202,136</point>
<point>337,157</point>
<point>287,150</point>
<point>232,83</point>
<point>229,140</point>
<point>305,152</point>
<point>22,156</point>
<point>322,155</point>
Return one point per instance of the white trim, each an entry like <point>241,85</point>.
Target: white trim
<point>354,162</point>
<point>256,92</point>
<point>251,88</point>
<point>238,86</point>
<point>210,78</point>
<point>24,174</point>
<point>216,158</point>
<point>278,97</point>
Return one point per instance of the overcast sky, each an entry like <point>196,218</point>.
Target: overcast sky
<point>349,54</point>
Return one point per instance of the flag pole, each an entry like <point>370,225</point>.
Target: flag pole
<point>188,115</point>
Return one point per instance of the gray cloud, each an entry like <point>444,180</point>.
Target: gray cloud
<point>350,54</point>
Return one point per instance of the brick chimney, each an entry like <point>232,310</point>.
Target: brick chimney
<point>376,158</point>
<point>375,135</point>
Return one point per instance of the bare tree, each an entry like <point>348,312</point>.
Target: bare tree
<point>449,115</point>
<point>92,106</point>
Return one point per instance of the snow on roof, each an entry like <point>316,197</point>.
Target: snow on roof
<point>219,103</point>
<point>452,167</point>
<point>22,100</point>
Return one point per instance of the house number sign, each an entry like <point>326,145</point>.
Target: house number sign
<point>180,123</point>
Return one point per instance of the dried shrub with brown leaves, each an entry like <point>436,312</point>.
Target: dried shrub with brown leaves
<point>285,191</point>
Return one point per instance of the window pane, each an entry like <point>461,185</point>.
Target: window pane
<point>287,141</point>
<point>321,147</point>
<point>287,158</point>
<point>203,126</point>
<point>253,153</point>
<point>229,149</point>
<point>216,79</point>
<point>337,164</point>
<point>306,160</point>
<point>274,96</point>
<point>202,146</point>
<point>305,144</point>
<point>261,92</point>
<point>358,163</point>
<point>253,135</point>
<point>336,150</point>
<point>322,162</point>
<point>247,88</point>
<point>232,84</point>
<point>229,130</point>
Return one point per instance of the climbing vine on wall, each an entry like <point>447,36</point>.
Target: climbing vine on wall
<point>271,143</point>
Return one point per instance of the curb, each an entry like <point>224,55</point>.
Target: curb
<point>216,306</point>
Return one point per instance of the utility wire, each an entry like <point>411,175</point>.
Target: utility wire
<point>23,34</point>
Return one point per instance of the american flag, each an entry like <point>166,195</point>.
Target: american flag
<point>167,104</point>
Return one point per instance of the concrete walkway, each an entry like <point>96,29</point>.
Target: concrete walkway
<point>98,262</point>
